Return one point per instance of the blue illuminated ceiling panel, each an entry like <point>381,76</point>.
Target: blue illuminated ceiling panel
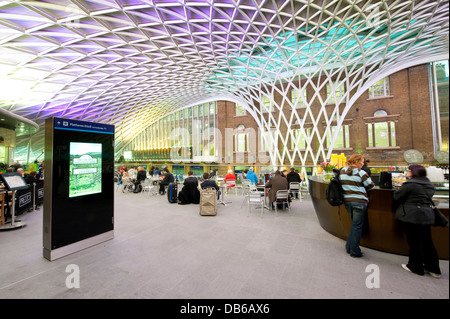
<point>129,63</point>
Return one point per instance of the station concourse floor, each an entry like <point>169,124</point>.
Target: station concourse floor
<point>168,251</point>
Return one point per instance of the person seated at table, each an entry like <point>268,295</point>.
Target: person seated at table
<point>32,178</point>
<point>208,183</point>
<point>167,178</point>
<point>140,177</point>
<point>294,177</point>
<point>276,183</point>
<point>21,171</point>
<point>132,173</point>
<point>230,177</point>
<point>190,193</point>
<point>252,177</point>
<point>213,173</point>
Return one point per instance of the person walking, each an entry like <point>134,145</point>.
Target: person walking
<point>355,183</point>
<point>414,198</point>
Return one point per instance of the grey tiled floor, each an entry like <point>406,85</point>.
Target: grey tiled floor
<point>163,250</point>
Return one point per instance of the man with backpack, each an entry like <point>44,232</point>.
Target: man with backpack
<point>355,184</point>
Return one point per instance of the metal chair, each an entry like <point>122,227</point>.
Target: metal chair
<point>147,186</point>
<point>249,188</point>
<point>304,187</point>
<point>128,185</point>
<point>231,184</point>
<point>294,189</point>
<point>255,198</point>
<point>281,198</point>
<point>245,186</point>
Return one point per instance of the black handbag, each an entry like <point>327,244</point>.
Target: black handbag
<point>439,218</point>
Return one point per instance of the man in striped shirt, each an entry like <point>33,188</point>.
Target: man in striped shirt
<point>355,183</point>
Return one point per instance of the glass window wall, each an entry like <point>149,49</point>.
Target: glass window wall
<point>179,136</point>
<point>440,98</point>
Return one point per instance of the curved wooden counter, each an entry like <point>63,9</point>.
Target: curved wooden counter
<point>381,230</point>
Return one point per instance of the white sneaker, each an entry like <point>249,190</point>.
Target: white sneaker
<point>432,274</point>
<point>405,267</point>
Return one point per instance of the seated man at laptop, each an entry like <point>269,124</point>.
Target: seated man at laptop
<point>166,179</point>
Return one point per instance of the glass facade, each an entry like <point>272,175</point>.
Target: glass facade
<point>185,135</point>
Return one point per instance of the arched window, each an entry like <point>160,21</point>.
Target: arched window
<point>381,129</point>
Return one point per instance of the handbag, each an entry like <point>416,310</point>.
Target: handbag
<point>439,218</point>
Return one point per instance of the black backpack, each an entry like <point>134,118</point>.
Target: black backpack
<point>334,192</point>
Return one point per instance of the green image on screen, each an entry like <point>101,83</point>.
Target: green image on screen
<point>85,169</point>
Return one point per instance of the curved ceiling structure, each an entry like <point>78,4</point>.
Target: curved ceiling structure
<point>130,62</point>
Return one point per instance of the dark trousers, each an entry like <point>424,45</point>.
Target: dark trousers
<point>422,254</point>
<point>162,187</point>
<point>137,186</point>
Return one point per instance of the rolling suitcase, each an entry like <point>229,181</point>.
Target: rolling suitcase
<point>208,202</point>
<point>172,193</point>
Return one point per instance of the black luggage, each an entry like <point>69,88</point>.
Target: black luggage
<point>172,193</point>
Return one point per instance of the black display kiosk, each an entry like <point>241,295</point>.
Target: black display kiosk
<point>79,186</point>
<point>13,182</point>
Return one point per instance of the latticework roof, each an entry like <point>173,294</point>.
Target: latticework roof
<point>130,62</point>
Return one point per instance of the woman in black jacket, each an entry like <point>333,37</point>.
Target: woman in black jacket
<point>415,198</point>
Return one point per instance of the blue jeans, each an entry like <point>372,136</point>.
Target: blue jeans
<point>357,212</point>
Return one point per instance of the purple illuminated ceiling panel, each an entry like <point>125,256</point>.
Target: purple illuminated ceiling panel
<point>113,60</point>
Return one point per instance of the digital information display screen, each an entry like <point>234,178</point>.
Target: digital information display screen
<point>79,185</point>
<point>85,169</point>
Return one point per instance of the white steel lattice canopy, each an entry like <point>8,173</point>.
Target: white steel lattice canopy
<point>130,62</point>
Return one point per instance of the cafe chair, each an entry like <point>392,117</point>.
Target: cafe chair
<point>282,197</point>
<point>294,190</point>
<point>255,198</point>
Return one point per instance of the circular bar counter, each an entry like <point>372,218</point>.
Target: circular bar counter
<point>381,230</point>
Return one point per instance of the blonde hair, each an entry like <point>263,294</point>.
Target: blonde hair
<point>354,159</point>
<point>230,171</point>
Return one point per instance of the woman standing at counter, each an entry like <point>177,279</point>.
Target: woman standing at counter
<point>355,183</point>
<point>414,210</point>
